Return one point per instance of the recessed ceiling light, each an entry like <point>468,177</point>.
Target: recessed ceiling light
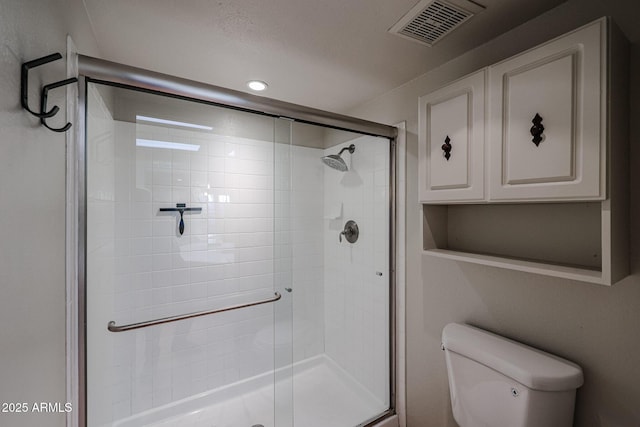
<point>257,85</point>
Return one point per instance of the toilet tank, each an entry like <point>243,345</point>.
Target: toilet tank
<point>498,382</point>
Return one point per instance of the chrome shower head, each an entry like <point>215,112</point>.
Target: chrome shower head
<point>336,162</point>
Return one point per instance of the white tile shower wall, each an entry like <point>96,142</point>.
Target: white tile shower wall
<point>226,249</point>
<point>307,207</point>
<point>356,298</point>
<point>100,253</point>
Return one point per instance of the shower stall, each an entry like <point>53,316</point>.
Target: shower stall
<point>235,258</point>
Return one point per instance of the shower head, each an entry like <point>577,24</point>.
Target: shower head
<point>336,162</point>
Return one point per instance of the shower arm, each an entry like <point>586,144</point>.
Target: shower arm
<point>351,149</point>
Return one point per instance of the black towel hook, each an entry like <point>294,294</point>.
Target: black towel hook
<point>24,84</point>
<point>43,102</point>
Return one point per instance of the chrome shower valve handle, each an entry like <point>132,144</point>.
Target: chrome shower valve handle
<point>350,232</point>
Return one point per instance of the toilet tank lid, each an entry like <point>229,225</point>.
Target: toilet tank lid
<point>531,367</point>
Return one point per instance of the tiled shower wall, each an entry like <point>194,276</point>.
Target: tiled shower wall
<point>307,203</point>
<point>356,276</point>
<point>100,256</point>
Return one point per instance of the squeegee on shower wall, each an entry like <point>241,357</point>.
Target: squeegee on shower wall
<point>181,208</point>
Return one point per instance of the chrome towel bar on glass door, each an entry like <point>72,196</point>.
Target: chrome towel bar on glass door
<point>114,328</point>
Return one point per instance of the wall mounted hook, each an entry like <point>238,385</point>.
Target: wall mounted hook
<point>24,91</point>
<point>24,84</point>
<point>43,102</point>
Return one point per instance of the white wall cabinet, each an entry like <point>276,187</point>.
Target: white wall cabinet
<point>546,127</point>
<point>555,130</point>
<point>546,120</point>
<point>451,146</point>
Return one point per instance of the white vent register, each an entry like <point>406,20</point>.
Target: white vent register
<point>431,20</point>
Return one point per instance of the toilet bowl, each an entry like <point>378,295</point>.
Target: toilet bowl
<point>498,382</point>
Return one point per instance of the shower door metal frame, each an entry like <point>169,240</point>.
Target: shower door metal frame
<point>111,73</point>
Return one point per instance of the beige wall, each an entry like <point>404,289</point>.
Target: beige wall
<point>592,325</point>
<point>32,209</point>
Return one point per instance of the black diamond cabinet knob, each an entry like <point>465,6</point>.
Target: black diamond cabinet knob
<point>446,148</point>
<point>537,129</point>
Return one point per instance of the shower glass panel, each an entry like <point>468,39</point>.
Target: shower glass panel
<point>181,218</point>
<point>341,289</point>
<point>195,208</point>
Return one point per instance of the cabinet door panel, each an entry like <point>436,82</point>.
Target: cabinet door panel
<point>451,121</point>
<point>546,91</point>
<point>563,82</point>
<point>449,124</point>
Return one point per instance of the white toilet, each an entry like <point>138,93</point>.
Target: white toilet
<point>497,382</point>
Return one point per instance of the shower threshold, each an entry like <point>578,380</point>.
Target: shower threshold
<point>323,395</point>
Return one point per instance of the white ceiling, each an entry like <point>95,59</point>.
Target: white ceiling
<point>327,54</point>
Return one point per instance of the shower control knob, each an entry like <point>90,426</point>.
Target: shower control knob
<point>350,232</point>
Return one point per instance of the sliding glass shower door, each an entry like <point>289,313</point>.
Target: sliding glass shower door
<point>188,304</point>
<point>238,267</point>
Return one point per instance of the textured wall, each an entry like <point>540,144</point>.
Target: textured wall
<point>592,325</point>
<point>32,208</point>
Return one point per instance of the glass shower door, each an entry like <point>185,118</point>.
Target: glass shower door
<point>187,212</point>
<point>341,280</point>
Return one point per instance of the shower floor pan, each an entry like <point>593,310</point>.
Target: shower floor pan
<point>323,395</point>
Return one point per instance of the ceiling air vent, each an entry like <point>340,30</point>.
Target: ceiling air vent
<point>430,20</point>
